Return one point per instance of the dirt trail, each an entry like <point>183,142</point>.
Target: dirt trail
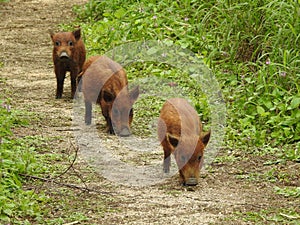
<point>26,52</point>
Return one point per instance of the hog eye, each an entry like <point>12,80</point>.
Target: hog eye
<point>115,112</point>
<point>182,158</point>
<point>199,158</point>
<point>57,43</point>
<point>70,43</point>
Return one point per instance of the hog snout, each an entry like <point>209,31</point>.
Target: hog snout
<point>125,132</point>
<point>64,56</point>
<point>192,181</point>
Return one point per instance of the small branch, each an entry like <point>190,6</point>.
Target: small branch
<point>49,180</point>
<point>68,129</point>
<point>72,223</point>
<point>53,179</point>
<point>230,203</point>
<point>72,163</point>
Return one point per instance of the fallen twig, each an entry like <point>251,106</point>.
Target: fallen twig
<point>73,161</point>
<point>72,223</point>
<point>54,179</point>
<point>50,180</point>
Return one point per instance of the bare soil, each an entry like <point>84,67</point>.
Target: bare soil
<point>26,53</point>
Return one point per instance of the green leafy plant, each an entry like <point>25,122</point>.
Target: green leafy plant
<point>17,157</point>
<point>288,191</point>
<point>283,216</point>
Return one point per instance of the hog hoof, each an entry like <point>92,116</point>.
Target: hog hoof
<point>125,132</point>
<point>191,182</point>
<point>110,131</point>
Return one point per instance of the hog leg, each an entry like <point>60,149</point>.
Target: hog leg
<point>167,160</point>
<point>60,77</point>
<point>73,77</point>
<point>181,178</point>
<point>110,128</point>
<point>79,82</point>
<point>88,112</point>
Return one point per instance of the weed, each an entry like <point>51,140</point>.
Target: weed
<point>288,191</point>
<point>17,157</point>
<point>270,216</point>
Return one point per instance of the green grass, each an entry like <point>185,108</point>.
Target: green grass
<point>252,47</point>
<point>272,216</point>
<point>17,157</point>
<point>160,83</point>
<point>22,200</point>
<point>288,191</point>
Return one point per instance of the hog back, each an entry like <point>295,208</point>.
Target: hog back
<point>178,118</point>
<point>100,73</point>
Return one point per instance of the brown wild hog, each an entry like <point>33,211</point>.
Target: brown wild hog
<point>105,82</point>
<point>68,55</point>
<point>180,133</point>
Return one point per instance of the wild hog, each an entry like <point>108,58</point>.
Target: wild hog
<point>68,55</point>
<point>180,133</point>
<point>105,82</point>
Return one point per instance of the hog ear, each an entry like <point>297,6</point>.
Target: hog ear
<point>51,32</point>
<point>172,140</point>
<point>205,137</point>
<point>134,93</point>
<point>108,97</point>
<point>77,34</point>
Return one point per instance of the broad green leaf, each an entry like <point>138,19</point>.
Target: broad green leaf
<point>260,110</point>
<point>268,104</point>
<point>295,102</point>
<point>8,212</point>
<point>120,13</point>
<point>169,42</point>
<point>152,51</point>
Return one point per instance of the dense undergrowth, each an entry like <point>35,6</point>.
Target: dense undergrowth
<point>252,48</point>
<point>24,161</point>
<point>17,156</point>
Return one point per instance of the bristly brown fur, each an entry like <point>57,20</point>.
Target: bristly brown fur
<point>68,55</point>
<point>105,82</point>
<point>180,133</point>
